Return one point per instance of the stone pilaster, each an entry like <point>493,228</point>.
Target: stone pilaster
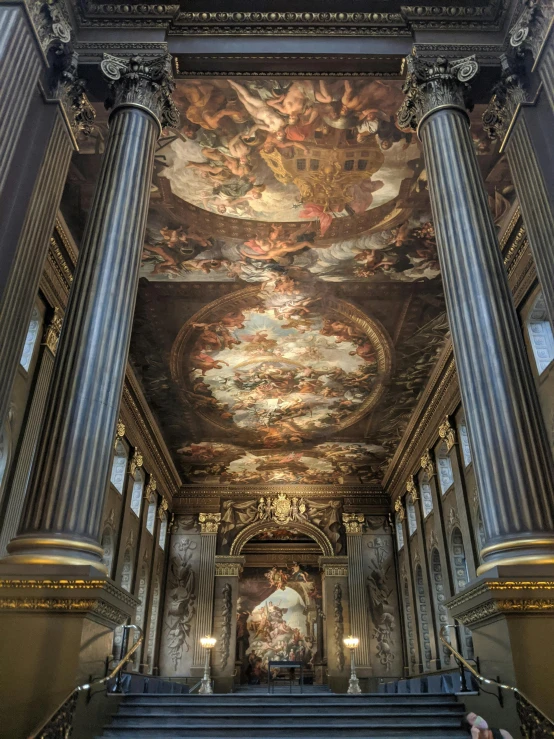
<point>209,525</point>
<point>512,461</point>
<point>336,607</point>
<point>26,453</point>
<point>62,518</point>
<point>359,607</point>
<point>227,573</point>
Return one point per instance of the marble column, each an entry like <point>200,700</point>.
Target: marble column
<point>359,606</point>
<point>506,121</point>
<point>19,480</point>
<point>513,464</point>
<point>61,522</point>
<point>209,525</point>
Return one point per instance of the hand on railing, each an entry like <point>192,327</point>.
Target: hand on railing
<point>58,724</point>
<point>534,723</point>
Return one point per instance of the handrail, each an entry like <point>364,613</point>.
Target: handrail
<point>536,723</point>
<point>71,699</point>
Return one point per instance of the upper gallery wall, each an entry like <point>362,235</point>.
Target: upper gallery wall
<point>291,308</point>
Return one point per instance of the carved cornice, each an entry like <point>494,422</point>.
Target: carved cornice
<point>434,85</point>
<point>228,566</point>
<point>353,523</point>
<point>333,566</point>
<point>209,522</point>
<point>143,82</point>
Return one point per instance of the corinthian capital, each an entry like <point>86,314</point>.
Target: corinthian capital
<point>428,86</point>
<point>508,94</point>
<point>145,83</point>
<point>51,22</point>
<point>531,27</point>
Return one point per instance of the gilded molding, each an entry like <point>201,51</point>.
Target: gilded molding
<point>411,489</point>
<point>151,487</point>
<point>136,461</point>
<point>430,86</point>
<point>427,464</point>
<point>143,82</point>
<point>353,523</point>
<point>448,433</point>
<point>209,522</point>
<point>399,508</point>
<point>119,432</point>
<point>163,508</point>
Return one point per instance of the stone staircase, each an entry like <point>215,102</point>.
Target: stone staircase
<point>316,714</point>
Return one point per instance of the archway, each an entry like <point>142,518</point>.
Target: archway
<point>301,526</point>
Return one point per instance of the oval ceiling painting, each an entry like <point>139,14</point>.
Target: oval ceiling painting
<point>281,364</point>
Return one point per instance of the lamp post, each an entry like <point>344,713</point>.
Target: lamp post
<point>352,642</point>
<point>208,642</point>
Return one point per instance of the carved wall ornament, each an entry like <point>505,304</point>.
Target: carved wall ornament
<point>432,541</point>
<point>181,608</point>
<point>339,625</point>
<point>433,85</point>
<point>448,433</point>
<point>532,26</point>
<point>163,508</point>
<point>399,508</point>
<point>70,90</point>
<point>380,588</point>
<point>209,522</point>
<point>110,519</point>
<point>53,330</point>
<point>281,509</point>
<point>226,623</point>
<point>416,557</point>
<point>147,82</point>
<point>151,487</point>
<point>453,520</point>
<point>51,22</point>
<point>119,430</point>
<point>411,489</point>
<point>427,463</point>
<point>508,94</point>
<point>136,461</point>
<point>353,522</point>
<point>130,539</point>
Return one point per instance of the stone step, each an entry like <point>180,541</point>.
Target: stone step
<point>344,700</point>
<point>178,709</point>
<point>224,732</point>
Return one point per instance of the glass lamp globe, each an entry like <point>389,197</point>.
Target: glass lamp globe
<point>351,642</point>
<point>208,642</point>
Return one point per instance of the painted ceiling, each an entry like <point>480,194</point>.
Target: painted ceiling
<point>290,307</point>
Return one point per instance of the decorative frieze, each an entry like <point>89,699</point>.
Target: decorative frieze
<point>353,522</point>
<point>209,522</point>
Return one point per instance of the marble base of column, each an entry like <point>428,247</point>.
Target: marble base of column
<point>510,612</point>
<point>57,632</point>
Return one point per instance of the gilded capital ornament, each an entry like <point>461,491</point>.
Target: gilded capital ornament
<point>136,461</point>
<point>532,25</point>
<point>142,83</point>
<point>162,508</point>
<point>427,463</point>
<point>52,332</point>
<point>430,86</point>
<point>119,430</point>
<point>399,508</point>
<point>150,492</point>
<point>508,94</point>
<point>209,522</point>
<point>353,522</point>
<point>411,488</point>
<point>448,433</point>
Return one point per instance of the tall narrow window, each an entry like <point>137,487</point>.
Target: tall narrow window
<point>31,340</point>
<point>423,619</point>
<point>426,496</point>
<point>446,476</point>
<point>464,443</point>
<point>136,495</point>
<point>399,533</point>
<point>439,594</point>
<point>119,466</point>
<point>411,515</point>
<point>163,532</point>
<point>540,335</point>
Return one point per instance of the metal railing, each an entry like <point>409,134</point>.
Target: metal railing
<point>535,724</point>
<point>59,723</point>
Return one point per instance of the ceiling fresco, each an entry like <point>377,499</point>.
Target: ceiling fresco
<point>290,306</point>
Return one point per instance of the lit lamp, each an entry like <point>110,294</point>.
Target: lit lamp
<point>208,642</point>
<point>351,642</point>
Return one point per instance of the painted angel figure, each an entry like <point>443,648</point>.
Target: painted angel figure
<point>263,509</point>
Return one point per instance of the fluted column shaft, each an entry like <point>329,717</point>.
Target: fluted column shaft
<point>61,521</point>
<point>206,583</point>
<point>512,461</point>
<point>359,606</point>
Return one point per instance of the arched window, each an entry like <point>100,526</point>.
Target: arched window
<point>151,515</point>
<point>446,476</point>
<point>464,443</point>
<point>154,611</point>
<point>461,578</point>
<point>119,466</point>
<point>163,532</point>
<point>127,571</point>
<point>426,496</point>
<point>141,608</point>
<point>540,335</point>
<point>409,627</point>
<point>107,545</point>
<point>423,619</point>
<point>442,613</point>
<point>411,515</point>
<point>31,340</point>
<point>399,533</point>
<point>136,495</point>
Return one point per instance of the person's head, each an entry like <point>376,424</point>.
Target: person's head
<point>385,144</point>
<point>293,120</point>
<point>368,115</point>
<point>478,721</point>
<point>221,209</point>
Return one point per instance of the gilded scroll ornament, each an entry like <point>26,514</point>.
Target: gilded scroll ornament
<point>136,461</point>
<point>399,508</point>
<point>209,522</point>
<point>427,463</point>
<point>353,522</point>
<point>52,332</point>
<point>411,489</point>
<point>448,433</point>
<point>142,82</point>
<point>436,85</point>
